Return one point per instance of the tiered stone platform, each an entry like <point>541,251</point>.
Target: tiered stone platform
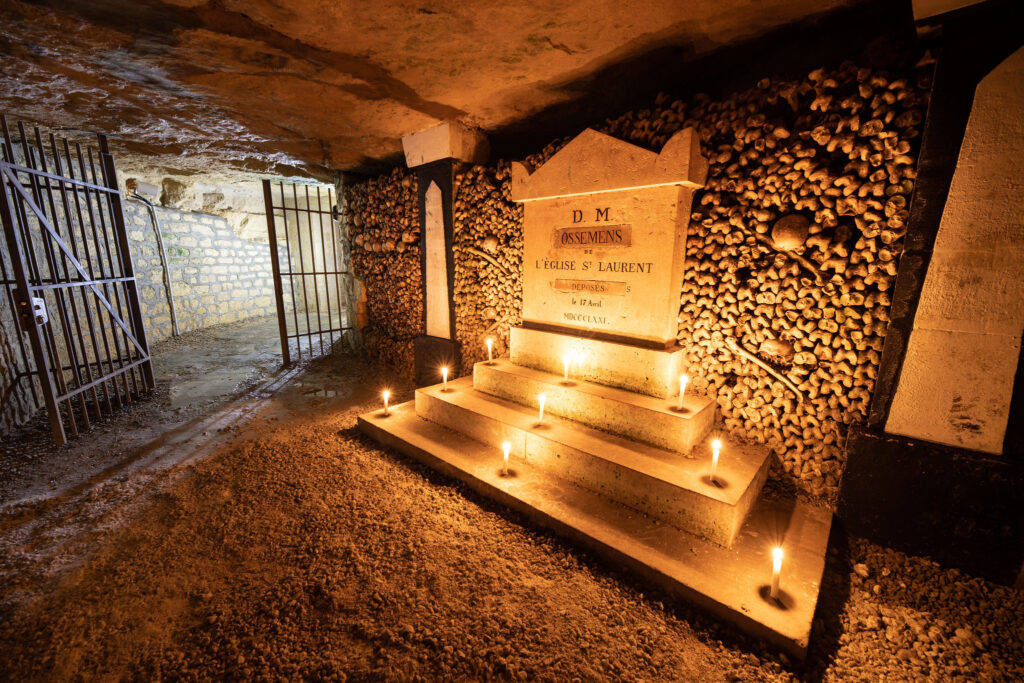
<point>625,473</point>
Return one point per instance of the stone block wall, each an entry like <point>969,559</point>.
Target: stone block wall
<point>216,277</point>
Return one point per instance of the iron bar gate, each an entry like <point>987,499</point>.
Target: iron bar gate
<point>308,264</point>
<point>69,281</point>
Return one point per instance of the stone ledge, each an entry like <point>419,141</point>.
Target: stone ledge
<point>639,417</point>
<point>654,372</point>
<point>660,483</point>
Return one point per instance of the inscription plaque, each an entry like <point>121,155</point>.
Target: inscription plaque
<point>605,236</point>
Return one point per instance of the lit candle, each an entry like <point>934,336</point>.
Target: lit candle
<point>490,349</point>
<point>716,447</point>
<point>444,378</point>
<point>776,570</point>
<point>505,448</point>
<point>540,402</point>
<point>683,379</point>
<point>566,360</point>
<point>386,394</point>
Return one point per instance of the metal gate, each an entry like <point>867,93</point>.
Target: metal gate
<point>69,281</point>
<point>309,264</point>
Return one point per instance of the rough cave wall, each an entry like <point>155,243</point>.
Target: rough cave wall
<point>216,276</point>
<point>835,151</point>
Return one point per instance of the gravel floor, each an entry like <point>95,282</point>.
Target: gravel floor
<point>297,549</point>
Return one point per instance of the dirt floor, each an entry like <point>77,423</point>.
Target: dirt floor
<point>236,526</point>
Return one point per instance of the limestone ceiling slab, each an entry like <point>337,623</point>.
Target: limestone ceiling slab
<point>301,87</point>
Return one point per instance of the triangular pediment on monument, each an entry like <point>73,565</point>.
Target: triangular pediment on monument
<point>594,162</point>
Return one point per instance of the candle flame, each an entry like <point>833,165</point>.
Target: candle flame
<point>716,445</point>
<point>506,447</point>
<point>386,394</point>
<point>541,399</point>
<point>777,554</point>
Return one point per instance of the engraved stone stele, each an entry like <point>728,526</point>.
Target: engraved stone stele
<point>604,246</point>
<point>436,275</point>
<point>433,154</point>
<point>605,235</point>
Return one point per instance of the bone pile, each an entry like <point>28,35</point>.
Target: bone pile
<point>382,219</point>
<point>488,261</point>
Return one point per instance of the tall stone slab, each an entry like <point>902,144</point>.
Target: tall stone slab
<point>435,265</point>
<point>434,153</point>
<point>603,259</point>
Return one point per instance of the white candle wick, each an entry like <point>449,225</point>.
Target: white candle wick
<point>540,401</point>
<point>444,378</point>
<point>490,348</point>
<point>386,395</point>
<point>683,379</point>
<point>505,448</point>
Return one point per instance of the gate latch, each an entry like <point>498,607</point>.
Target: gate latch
<point>33,310</point>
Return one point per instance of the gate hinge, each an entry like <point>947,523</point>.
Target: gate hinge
<point>31,310</point>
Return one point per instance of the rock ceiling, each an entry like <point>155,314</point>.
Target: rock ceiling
<point>299,87</point>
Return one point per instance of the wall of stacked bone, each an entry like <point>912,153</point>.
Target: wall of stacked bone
<point>381,217</point>
<point>792,250</point>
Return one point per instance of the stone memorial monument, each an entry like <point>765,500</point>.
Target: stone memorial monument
<point>605,237</point>
<point>597,441</point>
<point>434,154</point>
<point>604,249</point>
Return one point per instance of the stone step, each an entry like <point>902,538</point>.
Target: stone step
<point>654,372</point>
<point>731,583</point>
<point>673,488</point>
<point>655,421</point>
